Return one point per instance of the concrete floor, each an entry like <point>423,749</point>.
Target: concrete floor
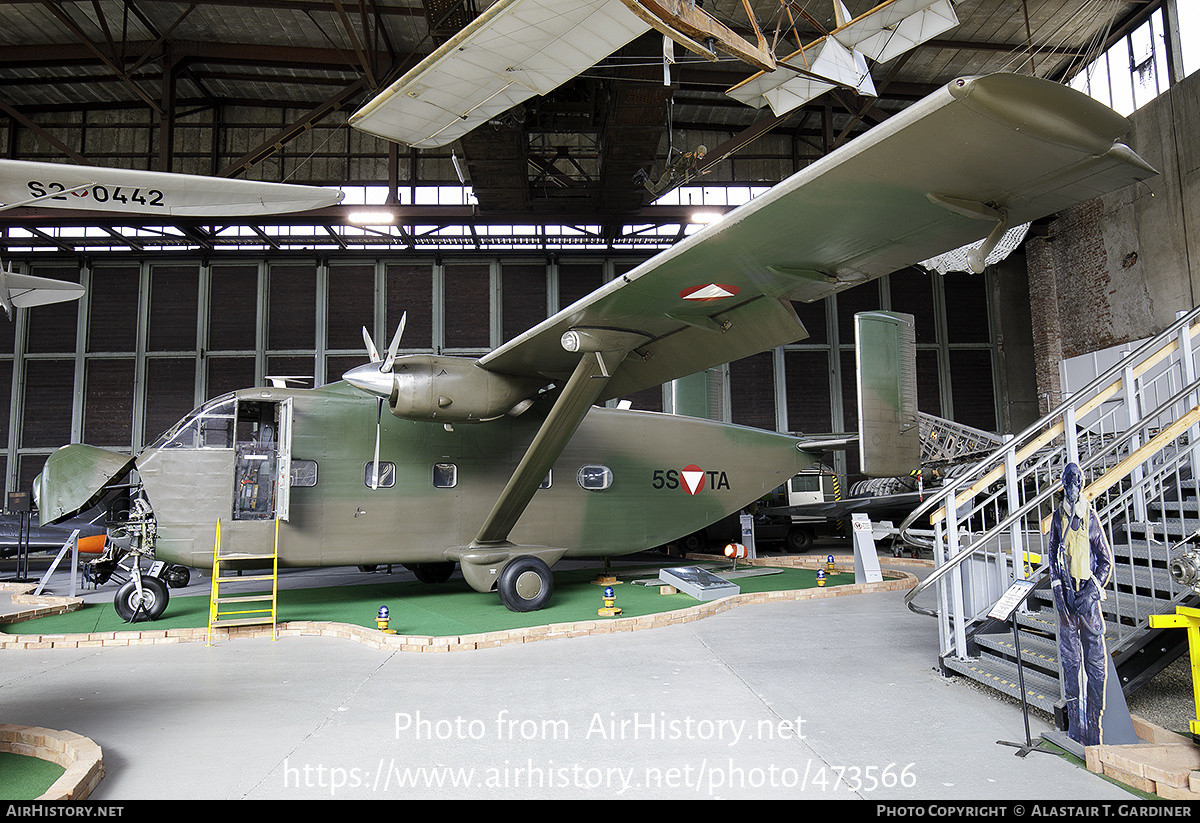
<point>831,698</point>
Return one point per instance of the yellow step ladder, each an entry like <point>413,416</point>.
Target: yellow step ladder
<point>225,611</point>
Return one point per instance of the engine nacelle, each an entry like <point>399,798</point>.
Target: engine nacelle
<point>442,389</point>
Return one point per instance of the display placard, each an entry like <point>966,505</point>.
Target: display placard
<point>1008,602</point>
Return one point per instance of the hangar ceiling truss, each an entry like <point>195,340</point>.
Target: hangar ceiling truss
<point>262,89</point>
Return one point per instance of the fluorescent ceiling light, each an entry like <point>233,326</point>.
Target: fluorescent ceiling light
<point>372,218</point>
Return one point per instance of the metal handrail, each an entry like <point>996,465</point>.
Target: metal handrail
<point>1109,479</point>
<point>1156,345</point>
<point>1037,500</point>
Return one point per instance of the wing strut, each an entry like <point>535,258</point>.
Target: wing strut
<point>582,389</point>
<point>586,383</point>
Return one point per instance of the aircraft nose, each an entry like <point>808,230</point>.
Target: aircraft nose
<point>370,379</point>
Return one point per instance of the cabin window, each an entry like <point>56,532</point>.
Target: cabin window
<point>304,473</point>
<point>386,478</point>
<point>445,475</point>
<point>595,478</point>
<point>548,480</point>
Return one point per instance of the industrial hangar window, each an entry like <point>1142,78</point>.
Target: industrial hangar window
<point>208,330</point>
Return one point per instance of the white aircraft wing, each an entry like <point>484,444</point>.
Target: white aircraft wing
<point>943,173</point>
<point>894,27</point>
<point>135,191</point>
<point>513,51</point>
<point>886,31</point>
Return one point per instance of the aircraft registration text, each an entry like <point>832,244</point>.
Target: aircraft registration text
<point>99,194</point>
<point>692,479</point>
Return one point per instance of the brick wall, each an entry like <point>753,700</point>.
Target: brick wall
<point>1069,286</point>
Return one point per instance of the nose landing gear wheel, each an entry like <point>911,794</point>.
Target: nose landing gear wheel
<point>149,606</point>
<point>525,584</point>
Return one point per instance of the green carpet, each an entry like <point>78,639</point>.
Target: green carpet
<point>438,610</point>
<point>26,778</point>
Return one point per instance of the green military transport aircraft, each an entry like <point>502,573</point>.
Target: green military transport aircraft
<point>505,464</point>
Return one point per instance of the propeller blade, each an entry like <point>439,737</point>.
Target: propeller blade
<point>372,352</point>
<point>375,465</point>
<point>395,345</point>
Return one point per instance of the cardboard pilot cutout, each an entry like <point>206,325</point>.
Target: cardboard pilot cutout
<point>1080,568</point>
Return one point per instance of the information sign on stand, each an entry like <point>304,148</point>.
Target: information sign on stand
<point>19,504</point>
<point>1004,609</point>
<point>747,521</point>
<point>866,559</point>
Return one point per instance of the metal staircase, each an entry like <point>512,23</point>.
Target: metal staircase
<point>1135,432</point>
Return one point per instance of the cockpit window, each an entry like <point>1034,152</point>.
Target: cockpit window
<point>208,427</point>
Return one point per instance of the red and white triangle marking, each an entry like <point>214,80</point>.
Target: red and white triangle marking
<point>709,291</point>
<point>693,479</point>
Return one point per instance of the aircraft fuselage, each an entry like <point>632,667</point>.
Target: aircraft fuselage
<point>626,481</point>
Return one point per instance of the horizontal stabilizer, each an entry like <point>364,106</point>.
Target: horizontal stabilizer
<point>25,290</point>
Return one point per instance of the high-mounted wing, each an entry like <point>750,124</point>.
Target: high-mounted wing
<point>979,153</point>
<point>513,51</point>
<point>840,58</point>
<point>135,191</point>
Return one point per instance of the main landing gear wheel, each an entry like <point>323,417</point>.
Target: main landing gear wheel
<point>177,577</point>
<point>149,606</point>
<point>525,584</point>
<point>433,572</point>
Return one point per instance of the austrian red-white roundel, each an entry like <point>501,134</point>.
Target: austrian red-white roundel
<point>693,479</point>
<point>709,291</point>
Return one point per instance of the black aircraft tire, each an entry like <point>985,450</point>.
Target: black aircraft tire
<point>177,577</point>
<point>525,584</point>
<point>799,539</point>
<point>155,596</point>
<point>433,572</point>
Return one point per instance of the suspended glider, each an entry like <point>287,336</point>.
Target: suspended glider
<point>133,191</point>
<point>839,59</point>
<point>518,49</point>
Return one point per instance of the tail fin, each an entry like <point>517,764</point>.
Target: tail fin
<point>889,442</point>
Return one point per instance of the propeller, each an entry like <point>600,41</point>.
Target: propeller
<point>371,381</point>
